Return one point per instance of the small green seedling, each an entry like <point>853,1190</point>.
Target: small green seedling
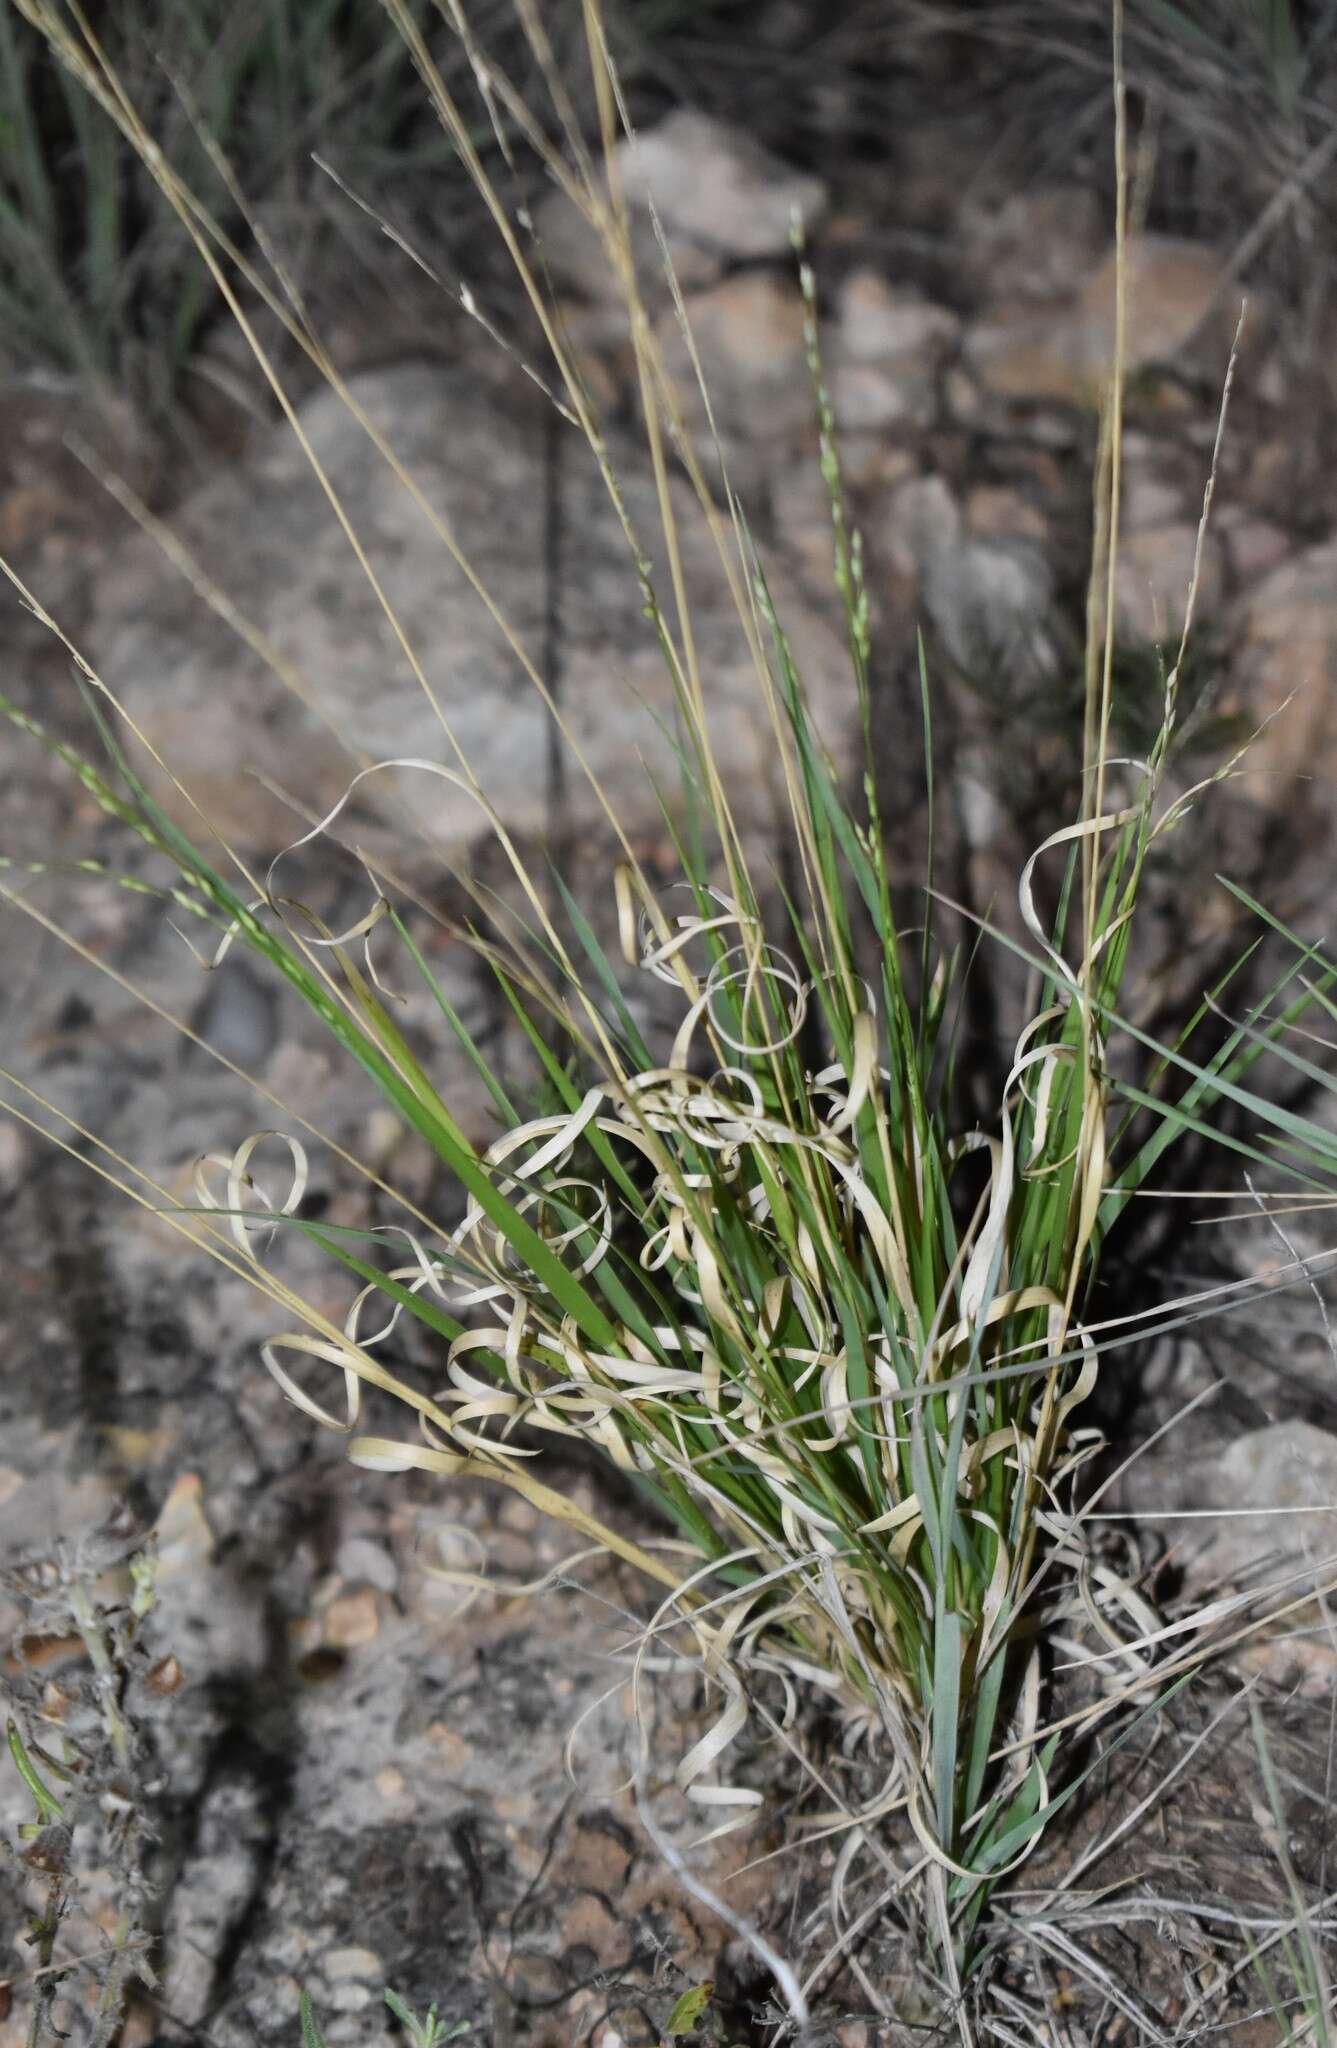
<point>311,2034</point>
<point>696,2013</point>
<point>425,2033</point>
<point>687,2013</point>
<point>428,2032</point>
<point>48,1806</point>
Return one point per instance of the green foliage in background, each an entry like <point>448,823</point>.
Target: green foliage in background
<point>95,281</point>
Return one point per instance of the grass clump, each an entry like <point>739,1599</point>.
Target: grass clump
<point>836,1337</point>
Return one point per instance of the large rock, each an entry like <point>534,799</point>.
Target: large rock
<point>1153,574</point>
<point>1255,1515</point>
<point>747,346</point>
<point>1286,669</point>
<point>879,323</point>
<point>888,347</point>
<point>717,188</point>
<point>1158,486</point>
<point>1016,354</point>
<point>718,197</point>
<point>1172,287</point>
<point>990,601</point>
<point>1287,1471</point>
<point>268,539</point>
<point>1263,1505</point>
<point>1066,352</point>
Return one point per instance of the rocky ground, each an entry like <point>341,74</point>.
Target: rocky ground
<point>361,1784</point>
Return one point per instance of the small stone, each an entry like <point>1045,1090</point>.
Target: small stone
<point>802,509</point>
<point>868,460</point>
<point>576,256</point>
<point>1287,1465</point>
<point>382,1133</point>
<point>718,197</point>
<point>1172,286</point>
<point>536,1980</point>
<point>749,339</point>
<point>997,512</point>
<point>878,324</point>
<point>1259,1511</point>
<point>1018,354</point>
<point>888,345</point>
<point>1298,1656</point>
<point>717,188</point>
<point>390,1783</point>
<point>166,1676</point>
<point>295,1068</point>
<point>1066,352</point>
<point>1271,475</point>
<point>869,398</point>
<point>361,1561</point>
<point>344,1965</point>
<point>452,1748</point>
<point>353,1619</point>
<point>1053,428</point>
<point>185,1539</point>
<point>514,1512</point>
<point>1286,639</point>
<point>13,1151</point>
<point>921,519</point>
<point>289,1947</point>
<point>983,818</point>
<point>237,1017</point>
<point>965,399</point>
<point>350,1997</point>
<point>990,602</point>
<point>140,1449</point>
<point>1147,500</point>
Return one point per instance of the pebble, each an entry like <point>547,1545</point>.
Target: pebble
<point>360,1560</point>
<point>185,1539</point>
<point>344,1965</point>
<point>13,1151</point>
<point>237,1017</point>
<point>879,324</point>
<point>353,1620</point>
<point>391,1783</point>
